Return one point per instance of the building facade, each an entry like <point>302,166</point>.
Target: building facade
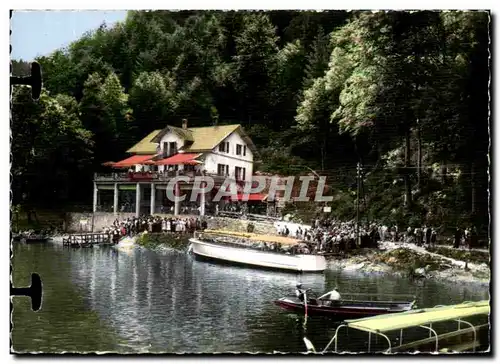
<point>139,183</point>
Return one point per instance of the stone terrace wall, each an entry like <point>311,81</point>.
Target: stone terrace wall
<point>226,223</point>
<point>81,221</point>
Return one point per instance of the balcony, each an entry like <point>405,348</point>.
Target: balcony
<point>159,177</point>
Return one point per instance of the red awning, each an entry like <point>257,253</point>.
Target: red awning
<point>180,158</point>
<point>132,161</point>
<point>251,197</point>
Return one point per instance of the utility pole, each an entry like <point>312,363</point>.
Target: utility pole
<point>419,154</point>
<point>358,177</point>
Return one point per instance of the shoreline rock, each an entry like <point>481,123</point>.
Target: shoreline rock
<point>415,263</point>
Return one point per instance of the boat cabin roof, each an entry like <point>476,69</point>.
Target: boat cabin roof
<point>403,320</point>
<point>256,237</point>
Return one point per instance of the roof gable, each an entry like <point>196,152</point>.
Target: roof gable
<point>185,134</point>
<point>145,146</point>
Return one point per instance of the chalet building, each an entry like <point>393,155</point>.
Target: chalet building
<point>139,182</point>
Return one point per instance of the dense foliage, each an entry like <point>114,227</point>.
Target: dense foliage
<point>404,93</point>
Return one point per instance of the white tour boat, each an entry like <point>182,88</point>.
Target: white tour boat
<point>206,247</point>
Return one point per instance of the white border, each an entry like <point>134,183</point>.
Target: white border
<point>186,4</point>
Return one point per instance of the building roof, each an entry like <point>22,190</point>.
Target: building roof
<point>145,146</point>
<point>208,137</point>
<point>199,139</point>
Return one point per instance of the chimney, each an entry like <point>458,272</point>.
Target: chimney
<point>184,124</point>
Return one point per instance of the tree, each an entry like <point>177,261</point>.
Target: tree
<point>105,112</point>
<point>256,52</point>
<point>317,58</point>
<point>20,68</point>
<point>50,148</point>
<point>117,113</point>
<point>154,98</point>
<point>286,84</point>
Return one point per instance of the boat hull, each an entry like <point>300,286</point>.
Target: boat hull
<point>343,310</point>
<point>34,240</point>
<point>257,258</point>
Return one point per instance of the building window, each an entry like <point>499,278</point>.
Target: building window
<point>224,147</point>
<point>169,148</point>
<point>238,149</point>
<point>173,148</point>
<point>239,173</point>
<point>222,169</point>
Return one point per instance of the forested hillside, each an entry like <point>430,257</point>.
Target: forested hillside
<point>405,94</point>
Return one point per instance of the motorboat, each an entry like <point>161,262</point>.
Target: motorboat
<point>457,328</point>
<point>32,237</point>
<point>348,306</point>
<point>263,251</point>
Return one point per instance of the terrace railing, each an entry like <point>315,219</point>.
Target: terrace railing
<point>150,176</point>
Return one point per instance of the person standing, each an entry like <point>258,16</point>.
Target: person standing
<point>418,236</point>
<point>299,292</point>
<point>458,238</point>
<point>433,237</point>
<point>427,233</point>
<point>473,238</point>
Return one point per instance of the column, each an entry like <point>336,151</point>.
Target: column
<point>177,202</point>
<point>137,199</point>
<point>202,204</point>
<point>153,199</point>
<point>94,205</point>
<point>115,199</point>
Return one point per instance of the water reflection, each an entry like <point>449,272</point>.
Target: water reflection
<point>171,302</point>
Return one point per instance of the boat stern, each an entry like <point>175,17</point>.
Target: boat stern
<point>312,263</point>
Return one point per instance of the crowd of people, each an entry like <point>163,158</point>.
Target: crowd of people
<point>329,235</point>
<point>154,224</point>
<point>323,235</point>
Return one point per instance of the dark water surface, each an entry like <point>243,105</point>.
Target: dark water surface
<point>142,301</point>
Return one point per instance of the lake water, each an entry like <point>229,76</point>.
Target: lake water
<point>142,301</point>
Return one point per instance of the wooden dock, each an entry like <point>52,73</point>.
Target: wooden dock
<point>87,240</point>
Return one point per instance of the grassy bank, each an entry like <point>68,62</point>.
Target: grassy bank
<point>158,240</point>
